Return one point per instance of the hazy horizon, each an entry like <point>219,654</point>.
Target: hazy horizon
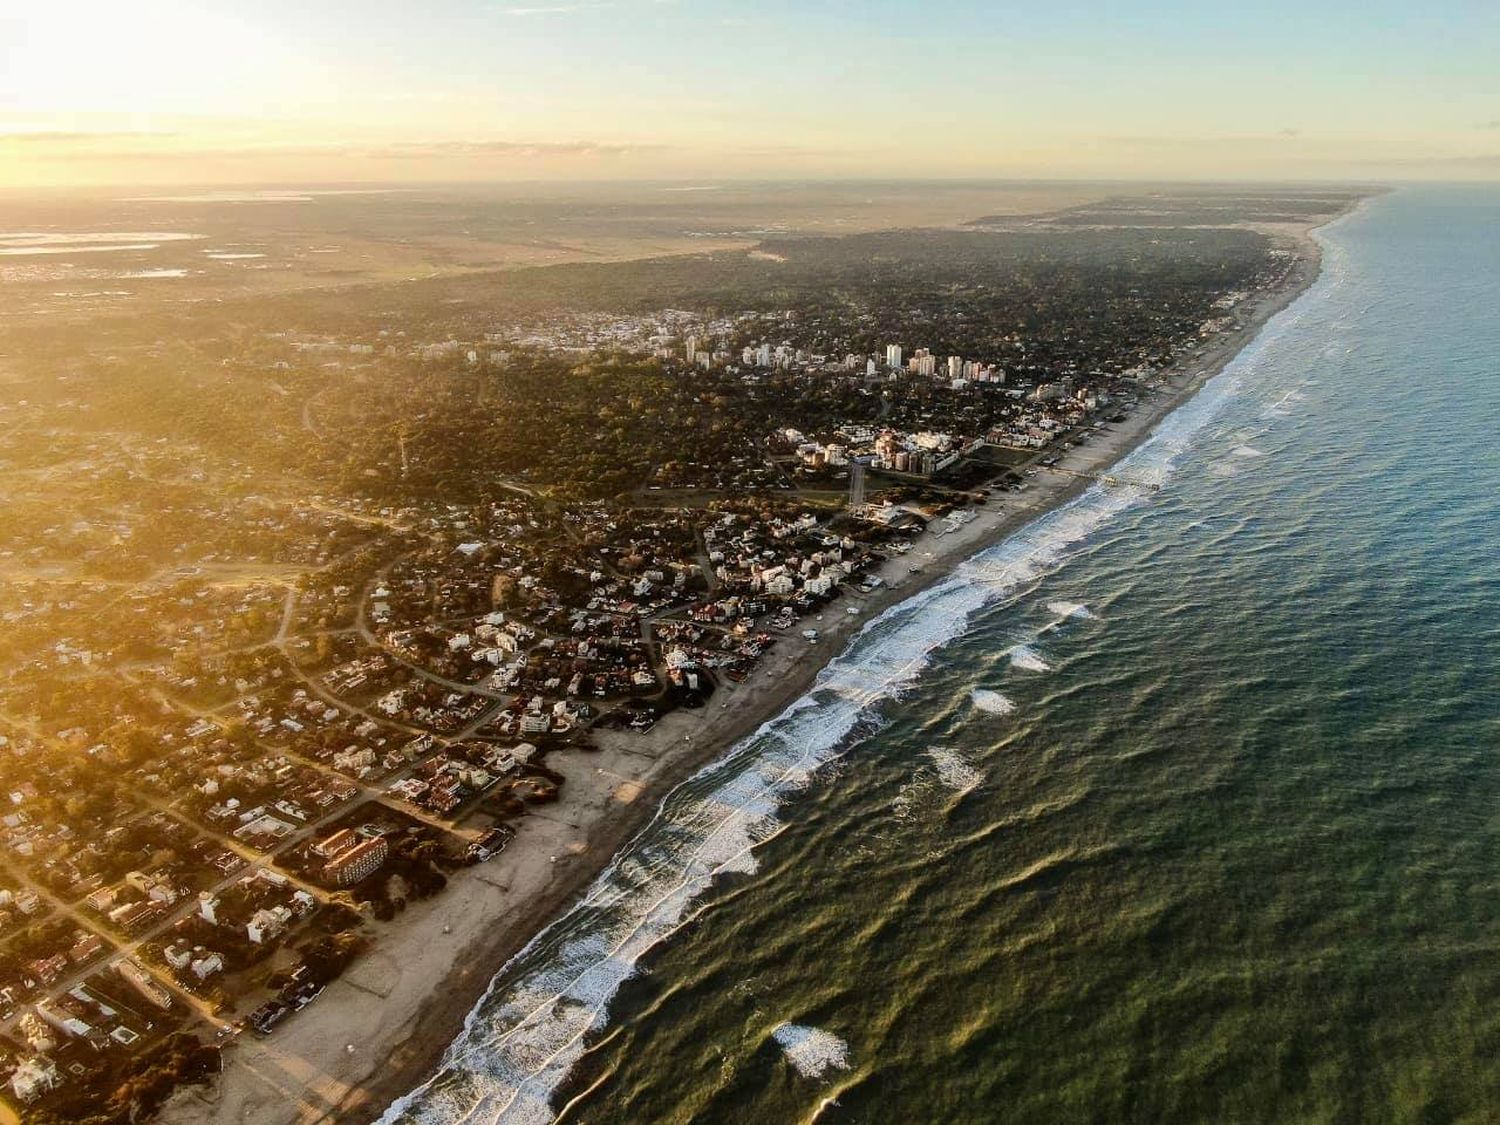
<point>282,190</point>
<point>220,93</point>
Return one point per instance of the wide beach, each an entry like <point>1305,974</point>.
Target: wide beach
<point>382,1028</point>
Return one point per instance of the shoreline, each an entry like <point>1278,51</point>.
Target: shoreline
<point>402,1004</point>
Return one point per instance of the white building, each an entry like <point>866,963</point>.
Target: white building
<point>33,1078</point>
<point>205,967</point>
<point>266,924</point>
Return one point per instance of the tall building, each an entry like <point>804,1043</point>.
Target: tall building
<point>856,485</point>
<point>693,345</point>
<point>353,864</point>
<point>763,357</point>
<point>340,841</point>
<point>893,356</point>
<point>955,367</point>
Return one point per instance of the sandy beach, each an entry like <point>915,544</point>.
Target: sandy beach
<point>381,1029</point>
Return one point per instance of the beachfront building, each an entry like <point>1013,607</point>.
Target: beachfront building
<point>358,862</point>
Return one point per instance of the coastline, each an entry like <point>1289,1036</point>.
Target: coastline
<point>403,1003</point>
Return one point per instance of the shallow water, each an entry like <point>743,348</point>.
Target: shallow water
<point>1218,846</point>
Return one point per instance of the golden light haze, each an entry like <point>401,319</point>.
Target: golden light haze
<point>217,92</point>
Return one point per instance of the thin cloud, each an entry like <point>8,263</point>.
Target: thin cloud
<point>1204,142</point>
<point>401,150</point>
<point>554,9</point>
<point>57,136</point>
<point>567,9</point>
<point>1482,161</point>
<point>795,152</point>
<point>1479,160</point>
<point>528,149</point>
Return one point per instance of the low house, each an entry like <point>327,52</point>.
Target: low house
<point>204,967</point>
<point>266,925</point>
<point>34,1077</point>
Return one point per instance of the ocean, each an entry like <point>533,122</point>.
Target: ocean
<point>1182,804</point>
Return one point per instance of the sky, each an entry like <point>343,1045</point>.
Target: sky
<point>96,92</point>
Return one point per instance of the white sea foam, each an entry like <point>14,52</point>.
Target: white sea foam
<point>812,1050</point>
<point>1069,609</point>
<point>1282,406</point>
<point>521,1039</point>
<point>954,770</point>
<point>907,804</point>
<point>1027,658</point>
<point>991,701</point>
<point>1246,451</point>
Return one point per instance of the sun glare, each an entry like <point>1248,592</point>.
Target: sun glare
<point>154,57</point>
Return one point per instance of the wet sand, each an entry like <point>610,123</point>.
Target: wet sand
<point>401,1005</point>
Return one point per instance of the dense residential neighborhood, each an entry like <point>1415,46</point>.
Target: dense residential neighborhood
<point>300,619</point>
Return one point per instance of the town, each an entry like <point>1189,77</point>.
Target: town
<point>302,620</point>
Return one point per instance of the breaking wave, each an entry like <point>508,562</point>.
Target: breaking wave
<point>1069,609</point>
<point>811,1050</point>
<point>954,770</point>
<point>1028,659</point>
<point>534,1022</point>
<point>991,701</point>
